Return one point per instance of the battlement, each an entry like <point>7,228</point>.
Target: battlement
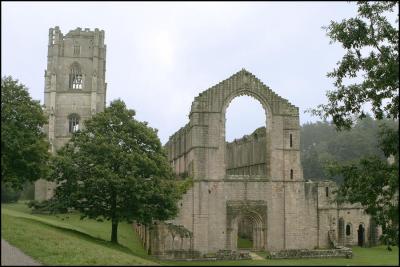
<point>56,36</point>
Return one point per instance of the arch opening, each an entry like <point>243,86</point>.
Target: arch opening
<point>73,122</point>
<point>249,233</point>
<point>245,234</point>
<point>75,77</point>
<point>245,137</point>
<point>341,231</point>
<point>361,235</point>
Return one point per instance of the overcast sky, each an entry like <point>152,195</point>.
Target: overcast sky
<point>161,55</point>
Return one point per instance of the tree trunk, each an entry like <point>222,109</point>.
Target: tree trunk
<point>114,231</point>
<point>114,220</point>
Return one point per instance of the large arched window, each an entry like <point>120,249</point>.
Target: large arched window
<point>245,136</point>
<point>73,120</point>
<point>75,77</point>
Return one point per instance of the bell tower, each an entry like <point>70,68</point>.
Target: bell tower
<point>75,87</point>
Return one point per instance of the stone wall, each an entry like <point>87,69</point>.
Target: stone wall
<point>305,253</point>
<point>247,156</point>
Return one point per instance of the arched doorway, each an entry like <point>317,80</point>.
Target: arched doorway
<point>245,233</point>
<point>246,225</point>
<point>341,232</point>
<point>361,235</point>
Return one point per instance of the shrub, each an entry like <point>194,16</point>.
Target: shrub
<point>8,194</point>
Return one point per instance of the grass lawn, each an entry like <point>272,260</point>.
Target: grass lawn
<point>61,240</point>
<point>244,243</point>
<point>70,241</point>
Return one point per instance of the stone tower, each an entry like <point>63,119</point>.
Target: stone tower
<point>75,87</point>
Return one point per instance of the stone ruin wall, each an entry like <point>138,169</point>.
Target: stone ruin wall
<point>179,148</point>
<point>297,215</point>
<point>247,155</point>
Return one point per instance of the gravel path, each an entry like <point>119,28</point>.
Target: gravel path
<point>13,256</point>
<point>254,256</point>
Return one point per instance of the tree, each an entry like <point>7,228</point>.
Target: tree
<point>24,149</point>
<point>372,51</point>
<point>116,169</point>
<point>372,57</point>
<point>374,183</point>
<point>322,144</point>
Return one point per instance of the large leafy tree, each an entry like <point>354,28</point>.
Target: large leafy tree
<point>116,169</point>
<point>24,149</point>
<point>368,73</point>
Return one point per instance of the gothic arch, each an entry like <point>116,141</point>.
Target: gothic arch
<point>266,124</point>
<point>207,124</point>
<point>75,76</point>
<point>256,213</point>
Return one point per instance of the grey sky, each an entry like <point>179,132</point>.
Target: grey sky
<point>161,55</point>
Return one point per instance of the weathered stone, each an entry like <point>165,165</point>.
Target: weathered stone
<point>305,253</point>
<point>74,86</point>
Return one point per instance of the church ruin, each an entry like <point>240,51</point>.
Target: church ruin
<point>252,187</point>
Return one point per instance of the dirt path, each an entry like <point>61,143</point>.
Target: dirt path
<point>13,256</point>
<point>254,256</point>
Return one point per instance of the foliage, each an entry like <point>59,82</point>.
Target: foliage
<point>374,183</point>
<point>24,150</point>
<point>28,191</point>
<point>178,230</point>
<point>372,51</point>
<point>50,206</point>
<point>184,185</point>
<point>8,194</point>
<point>372,58</point>
<point>116,169</point>
<point>322,144</point>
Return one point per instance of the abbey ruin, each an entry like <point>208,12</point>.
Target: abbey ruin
<point>253,186</point>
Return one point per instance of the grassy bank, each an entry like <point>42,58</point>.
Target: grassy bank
<point>67,240</point>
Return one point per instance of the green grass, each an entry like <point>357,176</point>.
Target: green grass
<point>70,241</point>
<point>244,243</point>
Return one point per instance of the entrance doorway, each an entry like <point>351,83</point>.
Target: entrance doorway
<point>245,234</point>
<point>361,235</point>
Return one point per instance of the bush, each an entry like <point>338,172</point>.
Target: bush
<point>28,191</point>
<point>8,194</point>
<point>47,207</point>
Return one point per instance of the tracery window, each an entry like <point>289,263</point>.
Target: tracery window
<point>75,77</point>
<point>73,123</point>
<point>77,50</point>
